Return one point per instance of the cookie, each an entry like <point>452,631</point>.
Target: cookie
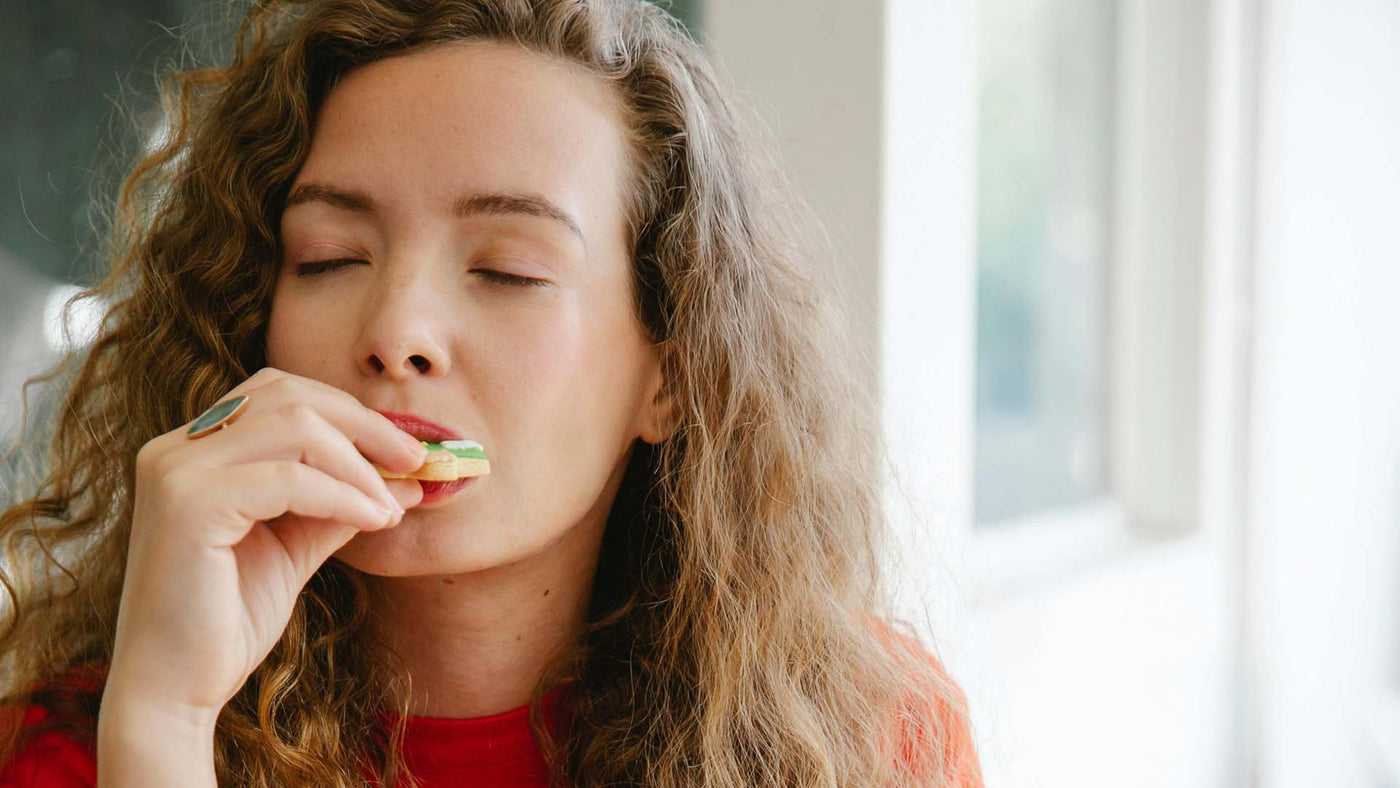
<point>447,461</point>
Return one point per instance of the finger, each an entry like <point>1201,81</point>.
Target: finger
<point>265,490</point>
<point>175,439</point>
<point>308,542</point>
<point>257,381</point>
<point>292,432</point>
<point>374,435</point>
<point>167,443</point>
<point>408,492</point>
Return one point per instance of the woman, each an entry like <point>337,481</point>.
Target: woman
<point>536,224</point>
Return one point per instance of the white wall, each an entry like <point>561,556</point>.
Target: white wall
<point>811,72</point>
<point>1325,451</point>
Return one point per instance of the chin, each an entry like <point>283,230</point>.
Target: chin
<point>420,546</point>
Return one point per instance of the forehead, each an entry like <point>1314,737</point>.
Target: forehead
<point>418,129</point>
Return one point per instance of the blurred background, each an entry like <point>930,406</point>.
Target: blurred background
<point>1130,271</point>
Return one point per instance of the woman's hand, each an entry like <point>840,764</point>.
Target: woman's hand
<point>228,528</point>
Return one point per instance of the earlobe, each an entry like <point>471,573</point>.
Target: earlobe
<point>662,419</point>
<point>662,415</point>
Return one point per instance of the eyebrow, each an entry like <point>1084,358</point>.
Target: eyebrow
<point>490,203</point>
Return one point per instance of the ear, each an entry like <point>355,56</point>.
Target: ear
<point>660,415</point>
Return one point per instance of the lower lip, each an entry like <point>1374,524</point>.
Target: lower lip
<point>437,491</point>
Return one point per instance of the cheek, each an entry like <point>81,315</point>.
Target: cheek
<point>562,380</point>
<point>563,411</point>
<point>535,357</point>
<point>297,333</point>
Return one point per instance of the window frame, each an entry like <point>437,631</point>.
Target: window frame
<point>1155,311</point>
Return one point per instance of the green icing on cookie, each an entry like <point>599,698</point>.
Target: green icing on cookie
<point>470,453</point>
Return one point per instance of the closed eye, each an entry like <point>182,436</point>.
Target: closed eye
<point>509,279</point>
<point>324,266</point>
<point>313,269</point>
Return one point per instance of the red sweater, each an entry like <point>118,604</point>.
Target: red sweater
<point>491,752</point>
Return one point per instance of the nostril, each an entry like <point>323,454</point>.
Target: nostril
<point>420,362</point>
<point>376,363</point>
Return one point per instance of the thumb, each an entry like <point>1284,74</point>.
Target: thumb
<point>309,542</point>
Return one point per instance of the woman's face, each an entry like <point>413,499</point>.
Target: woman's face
<point>444,175</point>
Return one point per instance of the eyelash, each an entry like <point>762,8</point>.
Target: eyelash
<point>324,266</point>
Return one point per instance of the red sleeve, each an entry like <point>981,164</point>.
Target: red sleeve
<point>49,760</point>
<point>963,770</point>
<point>961,766</point>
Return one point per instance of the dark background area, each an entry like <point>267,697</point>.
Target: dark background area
<point>78,78</point>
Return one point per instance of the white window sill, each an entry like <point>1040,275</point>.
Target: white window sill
<point>1383,732</point>
<point>1008,558</point>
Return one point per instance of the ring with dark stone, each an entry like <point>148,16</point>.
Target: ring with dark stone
<point>218,417</point>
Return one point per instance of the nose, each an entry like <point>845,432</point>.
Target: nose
<point>401,336</point>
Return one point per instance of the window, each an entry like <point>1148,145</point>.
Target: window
<point>1090,247</point>
<point>1046,86</point>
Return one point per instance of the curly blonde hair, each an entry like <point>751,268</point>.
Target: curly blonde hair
<point>737,633</point>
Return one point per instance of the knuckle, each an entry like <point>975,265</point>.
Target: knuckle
<point>295,385</point>
<point>148,454</point>
<point>161,465</point>
<point>173,489</point>
<point>300,415</point>
<point>284,387</point>
<point>311,389</point>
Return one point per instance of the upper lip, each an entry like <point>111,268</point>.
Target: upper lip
<point>421,428</point>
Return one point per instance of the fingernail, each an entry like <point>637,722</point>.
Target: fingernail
<point>389,504</point>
